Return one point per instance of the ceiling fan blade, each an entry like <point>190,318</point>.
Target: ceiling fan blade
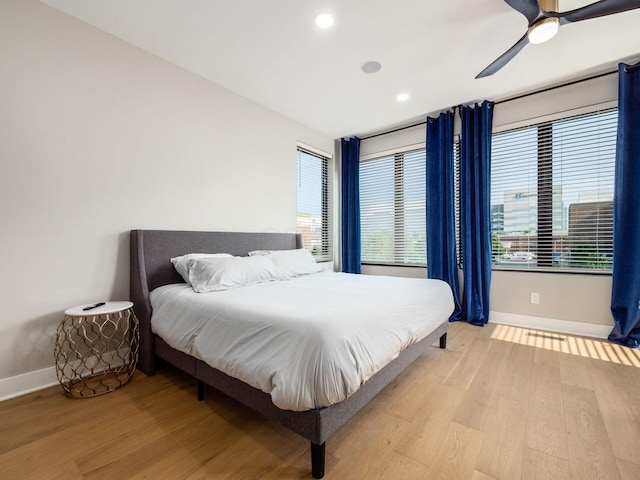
<point>597,9</point>
<point>505,58</point>
<point>529,8</point>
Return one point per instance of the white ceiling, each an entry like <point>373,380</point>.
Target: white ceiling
<point>271,52</point>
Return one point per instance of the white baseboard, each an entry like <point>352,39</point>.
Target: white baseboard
<point>32,381</point>
<point>27,382</point>
<point>551,324</point>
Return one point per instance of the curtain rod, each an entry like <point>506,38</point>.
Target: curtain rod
<point>394,130</point>
<point>628,68</point>
<point>518,97</point>
<point>554,87</point>
<point>403,128</point>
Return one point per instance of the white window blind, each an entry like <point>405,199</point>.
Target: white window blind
<point>392,209</point>
<point>552,194</point>
<point>314,203</point>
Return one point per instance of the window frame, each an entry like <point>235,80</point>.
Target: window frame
<point>326,234</point>
<point>398,194</point>
<point>549,120</point>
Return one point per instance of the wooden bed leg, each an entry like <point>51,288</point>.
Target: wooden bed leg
<point>443,341</point>
<point>317,460</point>
<point>200,390</point>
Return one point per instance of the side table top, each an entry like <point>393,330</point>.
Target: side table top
<point>108,307</point>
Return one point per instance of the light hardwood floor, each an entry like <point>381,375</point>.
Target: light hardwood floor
<point>499,403</point>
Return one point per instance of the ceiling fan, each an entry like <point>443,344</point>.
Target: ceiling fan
<point>545,19</point>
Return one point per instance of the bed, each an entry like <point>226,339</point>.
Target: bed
<point>151,269</point>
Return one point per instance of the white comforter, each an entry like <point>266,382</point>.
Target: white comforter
<point>311,341</point>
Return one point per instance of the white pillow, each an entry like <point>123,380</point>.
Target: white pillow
<point>182,263</point>
<point>291,263</point>
<point>215,274</point>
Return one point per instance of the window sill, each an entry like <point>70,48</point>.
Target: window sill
<point>403,265</point>
<point>564,271</point>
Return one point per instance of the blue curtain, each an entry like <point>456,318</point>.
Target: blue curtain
<point>351,205</point>
<point>625,295</point>
<point>441,228</point>
<point>475,210</point>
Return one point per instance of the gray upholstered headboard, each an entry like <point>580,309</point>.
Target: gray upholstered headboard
<point>150,266</point>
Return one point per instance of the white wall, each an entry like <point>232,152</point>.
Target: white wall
<point>98,137</point>
<point>579,303</point>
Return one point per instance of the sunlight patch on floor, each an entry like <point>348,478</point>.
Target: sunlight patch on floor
<point>570,344</point>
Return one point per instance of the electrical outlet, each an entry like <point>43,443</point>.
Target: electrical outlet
<point>535,298</point>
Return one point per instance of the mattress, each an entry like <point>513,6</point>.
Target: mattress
<point>309,342</point>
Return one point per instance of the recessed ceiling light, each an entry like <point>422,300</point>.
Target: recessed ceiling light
<point>371,67</point>
<point>402,97</point>
<point>324,20</point>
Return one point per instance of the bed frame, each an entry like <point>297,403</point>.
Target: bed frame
<point>151,268</point>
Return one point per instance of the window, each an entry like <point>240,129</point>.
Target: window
<point>314,203</point>
<point>552,194</point>
<point>392,209</point>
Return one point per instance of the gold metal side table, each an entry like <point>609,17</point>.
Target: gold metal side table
<point>96,349</point>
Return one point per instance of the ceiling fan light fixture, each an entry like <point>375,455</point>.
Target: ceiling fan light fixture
<point>543,30</point>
